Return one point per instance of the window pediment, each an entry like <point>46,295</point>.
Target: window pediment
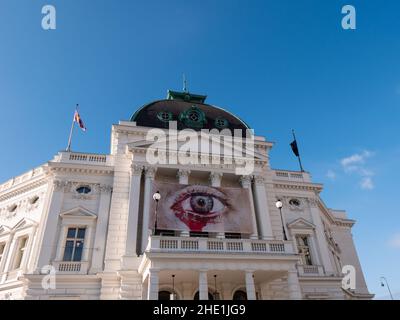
<point>79,212</point>
<point>4,230</point>
<point>301,224</point>
<point>23,224</point>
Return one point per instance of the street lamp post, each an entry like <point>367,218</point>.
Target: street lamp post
<point>156,198</point>
<point>387,285</point>
<point>216,293</point>
<point>173,294</point>
<point>279,205</point>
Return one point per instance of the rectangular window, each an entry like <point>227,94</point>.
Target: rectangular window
<point>21,248</point>
<point>2,248</point>
<point>304,249</point>
<point>74,244</point>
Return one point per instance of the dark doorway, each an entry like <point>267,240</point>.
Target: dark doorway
<point>164,295</point>
<point>240,295</point>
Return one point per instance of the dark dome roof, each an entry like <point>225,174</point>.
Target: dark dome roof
<point>189,111</point>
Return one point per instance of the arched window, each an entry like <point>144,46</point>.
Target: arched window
<point>197,295</point>
<point>240,295</point>
<point>164,295</point>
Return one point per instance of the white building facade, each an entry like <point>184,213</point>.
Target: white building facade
<point>83,226</point>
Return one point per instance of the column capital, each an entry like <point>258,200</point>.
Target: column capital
<point>215,177</point>
<point>245,181</point>
<point>136,169</point>
<point>61,185</point>
<point>105,188</point>
<point>150,172</point>
<point>154,271</point>
<point>259,180</point>
<point>313,202</point>
<point>183,173</point>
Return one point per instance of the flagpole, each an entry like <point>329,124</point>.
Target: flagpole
<point>71,131</point>
<point>298,157</point>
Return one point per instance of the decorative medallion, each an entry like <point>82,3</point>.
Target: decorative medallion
<point>165,116</point>
<point>221,123</point>
<point>193,117</point>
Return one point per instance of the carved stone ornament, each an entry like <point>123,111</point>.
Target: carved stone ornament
<point>259,180</point>
<point>136,169</point>
<point>150,172</point>
<point>245,181</point>
<point>104,188</point>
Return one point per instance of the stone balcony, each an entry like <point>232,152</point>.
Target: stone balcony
<point>71,267</point>
<point>84,158</point>
<point>310,270</point>
<point>211,245</point>
<point>295,176</point>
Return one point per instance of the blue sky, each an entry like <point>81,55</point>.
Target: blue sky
<point>277,64</point>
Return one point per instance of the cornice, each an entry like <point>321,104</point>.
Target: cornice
<point>298,186</point>
<point>23,189</point>
<point>55,167</point>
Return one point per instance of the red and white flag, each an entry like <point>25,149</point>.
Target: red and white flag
<point>79,121</point>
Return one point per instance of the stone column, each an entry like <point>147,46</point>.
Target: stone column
<point>61,242</point>
<point>88,243</point>
<point>133,211</point>
<point>183,177</point>
<point>261,204</point>
<point>101,228</point>
<point>314,253</point>
<point>49,241</point>
<point>215,181</point>
<point>5,255</point>
<point>148,197</point>
<point>9,260</point>
<point>203,285</point>
<point>293,285</point>
<point>320,235</point>
<point>245,181</point>
<point>250,288</point>
<point>152,291</point>
<point>187,290</point>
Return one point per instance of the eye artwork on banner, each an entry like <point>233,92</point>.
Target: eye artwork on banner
<point>201,208</point>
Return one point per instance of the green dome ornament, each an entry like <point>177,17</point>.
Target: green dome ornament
<point>193,118</point>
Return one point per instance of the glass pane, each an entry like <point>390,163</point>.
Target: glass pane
<point>69,246</point>
<point>78,251</point>
<point>81,233</point>
<point>71,233</point>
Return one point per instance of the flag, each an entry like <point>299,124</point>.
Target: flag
<point>79,121</point>
<point>295,149</point>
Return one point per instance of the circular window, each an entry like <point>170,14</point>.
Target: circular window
<point>194,116</point>
<point>83,190</point>
<point>294,202</point>
<point>164,116</point>
<point>221,123</point>
<point>33,200</point>
<point>12,208</point>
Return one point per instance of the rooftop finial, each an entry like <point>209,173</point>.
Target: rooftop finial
<point>184,84</point>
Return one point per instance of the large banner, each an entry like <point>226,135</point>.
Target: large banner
<point>201,208</point>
